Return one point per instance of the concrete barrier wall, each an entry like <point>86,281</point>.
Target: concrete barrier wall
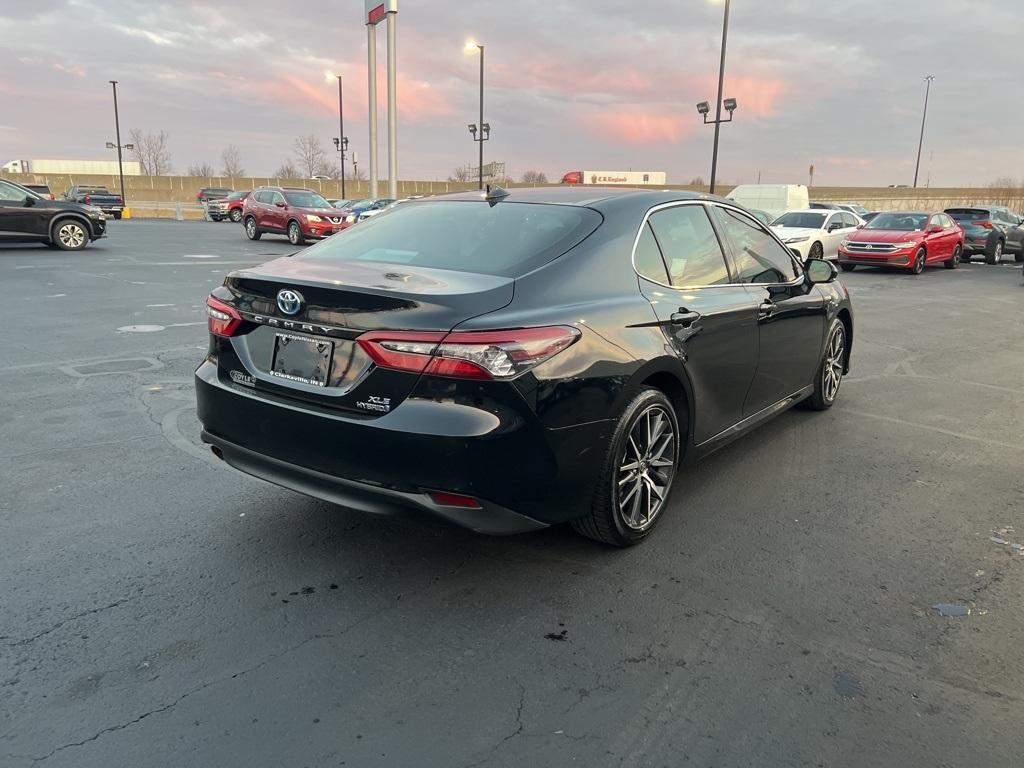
<point>173,189</point>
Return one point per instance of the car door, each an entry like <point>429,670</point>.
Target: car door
<point>835,232</point>
<point>934,240</point>
<point>950,234</point>
<point>17,220</point>
<point>790,311</point>
<point>710,321</point>
<point>277,211</point>
<point>1008,222</point>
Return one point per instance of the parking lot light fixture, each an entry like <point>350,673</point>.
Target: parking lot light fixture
<point>118,145</point>
<point>704,108</point>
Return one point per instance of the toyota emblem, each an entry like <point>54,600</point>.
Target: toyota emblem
<point>289,302</point>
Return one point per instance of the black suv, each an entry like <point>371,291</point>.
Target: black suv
<point>990,230</point>
<point>27,217</point>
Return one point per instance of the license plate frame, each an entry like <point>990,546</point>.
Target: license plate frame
<point>303,359</point>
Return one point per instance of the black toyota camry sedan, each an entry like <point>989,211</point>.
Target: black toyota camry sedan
<point>509,361</point>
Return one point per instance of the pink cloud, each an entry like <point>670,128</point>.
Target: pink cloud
<point>76,71</point>
<point>848,162</point>
<point>640,126</point>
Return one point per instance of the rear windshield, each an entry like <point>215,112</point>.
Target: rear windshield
<point>95,190</point>
<point>237,195</point>
<point>306,200</point>
<point>904,222</point>
<point>969,214</point>
<point>801,220</point>
<point>507,239</point>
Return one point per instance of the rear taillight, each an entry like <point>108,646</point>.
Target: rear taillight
<point>468,354</point>
<point>222,319</point>
<point>88,199</point>
<point>985,224</point>
<point>52,197</point>
<point>120,200</point>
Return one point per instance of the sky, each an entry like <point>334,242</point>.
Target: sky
<point>581,85</point>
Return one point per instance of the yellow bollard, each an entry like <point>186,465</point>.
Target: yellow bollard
<point>126,213</point>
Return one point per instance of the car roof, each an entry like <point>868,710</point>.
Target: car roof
<point>821,211</point>
<point>580,194</point>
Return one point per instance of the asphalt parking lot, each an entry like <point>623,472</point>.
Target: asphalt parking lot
<point>161,609</point>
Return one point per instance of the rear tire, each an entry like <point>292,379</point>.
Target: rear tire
<point>954,261</point>
<point>117,215</point>
<point>70,235</point>
<point>996,254</point>
<point>235,215</point>
<point>847,267</point>
<point>295,233</point>
<point>830,372</point>
<point>251,230</point>
<point>635,483</point>
<point>918,266</point>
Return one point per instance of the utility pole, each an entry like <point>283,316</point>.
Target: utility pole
<point>927,91</point>
<point>117,135</point>
<point>718,103</point>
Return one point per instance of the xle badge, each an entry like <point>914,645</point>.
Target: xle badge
<point>243,378</point>
<point>374,403</point>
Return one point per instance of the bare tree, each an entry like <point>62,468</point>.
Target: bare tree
<point>151,151</point>
<point>310,156</point>
<point>461,173</point>
<point>535,177</point>
<point>287,170</point>
<point>698,181</point>
<point>231,161</point>
<point>200,169</point>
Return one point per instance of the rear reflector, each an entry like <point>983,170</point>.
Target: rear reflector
<point>468,354</point>
<point>444,499</point>
<point>222,319</point>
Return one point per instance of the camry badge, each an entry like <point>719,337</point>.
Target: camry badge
<point>289,302</point>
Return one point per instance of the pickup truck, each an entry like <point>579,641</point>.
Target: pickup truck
<point>101,197</point>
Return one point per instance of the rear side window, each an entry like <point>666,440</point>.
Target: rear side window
<point>759,257</point>
<point>647,257</point>
<point>690,246</point>
<point>507,238</point>
<point>10,192</point>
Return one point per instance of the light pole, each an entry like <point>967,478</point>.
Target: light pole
<point>730,104</point>
<point>340,141</point>
<point>481,131</point>
<point>927,90</point>
<point>117,135</point>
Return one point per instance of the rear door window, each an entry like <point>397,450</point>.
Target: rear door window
<point>506,238</point>
<point>690,246</point>
<point>758,257</point>
<point>647,257</point>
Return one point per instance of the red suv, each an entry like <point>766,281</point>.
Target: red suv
<point>904,239</point>
<point>301,214</point>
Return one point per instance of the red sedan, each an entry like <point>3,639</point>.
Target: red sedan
<point>907,240</point>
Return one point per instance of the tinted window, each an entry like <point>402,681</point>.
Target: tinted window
<point>505,239</point>
<point>276,197</point>
<point>647,257</point>
<point>969,214</point>
<point>261,196</point>
<point>801,220</point>
<point>10,192</point>
<point>690,247</point>
<point>305,199</point>
<point>759,257</point>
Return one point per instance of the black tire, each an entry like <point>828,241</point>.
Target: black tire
<point>117,215</point>
<point>965,258</point>
<point>251,230</point>
<point>996,254</point>
<point>1019,256</point>
<point>295,236</point>
<point>648,482</point>
<point>69,234</point>
<point>816,252</point>
<point>954,261</point>
<point>830,372</point>
<point>918,266</point>
<point>847,267</point>
<point>235,215</point>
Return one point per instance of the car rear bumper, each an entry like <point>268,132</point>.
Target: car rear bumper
<point>524,476</point>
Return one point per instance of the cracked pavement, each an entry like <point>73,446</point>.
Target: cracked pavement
<point>160,609</point>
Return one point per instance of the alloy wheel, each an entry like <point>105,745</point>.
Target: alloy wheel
<point>999,252</point>
<point>71,235</point>
<point>919,263</point>
<point>832,370</point>
<point>293,233</point>
<point>250,227</point>
<point>646,468</point>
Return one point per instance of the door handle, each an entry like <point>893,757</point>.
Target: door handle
<point>766,310</point>
<point>684,318</point>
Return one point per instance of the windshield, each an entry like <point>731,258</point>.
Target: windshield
<point>94,190</point>
<point>904,222</point>
<point>507,239</point>
<point>801,220</point>
<point>306,200</point>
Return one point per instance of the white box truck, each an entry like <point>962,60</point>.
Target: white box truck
<point>615,178</point>
<point>773,199</point>
<point>72,167</point>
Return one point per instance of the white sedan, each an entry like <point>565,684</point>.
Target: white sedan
<point>816,234</point>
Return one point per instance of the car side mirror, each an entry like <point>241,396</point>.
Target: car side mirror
<point>934,229</point>
<point>281,205</point>
<point>860,226</point>
<point>834,227</point>
<point>29,201</point>
<point>820,271</point>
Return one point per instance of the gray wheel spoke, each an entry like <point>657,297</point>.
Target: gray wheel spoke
<point>646,467</point>
<point>628,479</point>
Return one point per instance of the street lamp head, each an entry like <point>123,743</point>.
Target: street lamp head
<point>486,129</point>
<point>336,141</point>
<point>129,146</point>
<point>729,104</point>
<point>703,108</point>
<point>110,145</point>
<point>330,76</point>
<point>344,142</point>
<point>472,46</point>
<point>472,128</point>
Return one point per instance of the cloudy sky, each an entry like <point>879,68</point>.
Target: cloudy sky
<point>582,84</point>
